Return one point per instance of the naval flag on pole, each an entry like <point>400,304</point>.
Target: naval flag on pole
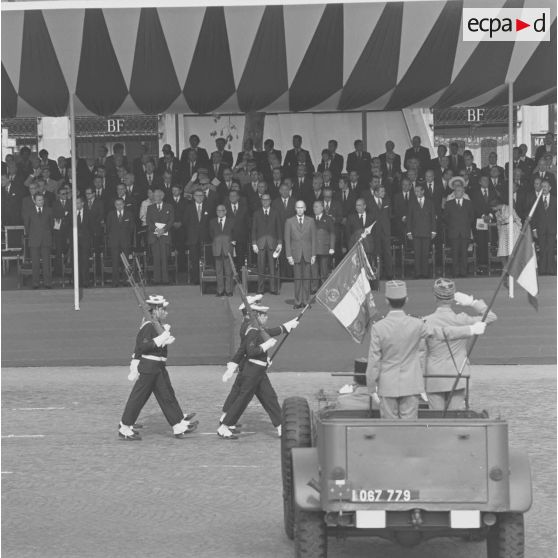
<point>347,294</point>
<point>523,266</point>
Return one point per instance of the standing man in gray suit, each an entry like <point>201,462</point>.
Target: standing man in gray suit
<point>38,228</point>
<point>159,218</point>
<point>221,233</point>
<point>300,248</point>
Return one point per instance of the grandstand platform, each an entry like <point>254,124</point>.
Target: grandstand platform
<point>41,328</point>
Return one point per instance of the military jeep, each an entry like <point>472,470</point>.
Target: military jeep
<point>349,473</point>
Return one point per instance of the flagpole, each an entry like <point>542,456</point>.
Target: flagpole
<point>75,258</point>
<point>364,234</point>
<point>493,299</point>
<point>510,175</point>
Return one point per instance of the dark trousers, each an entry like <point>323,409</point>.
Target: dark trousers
<point>253,380</point>
<point>459,255</point>
<point>265,257</point>
<point>240,249</point>
<point>340,244</point>
<point>194,253</point>
<point>159,384</point>
<point>179,244</point>
<point>84,252</point>
<point>421,247</point>
<point>382,248</point>
<point>547,246</point>
<point>320,270</point>
<point>302,275</point>
<point>285,270</point>
<point>224,274</point>
<point>115,251</point>
<point>37,254</point>
<point>62,243</point>
<point>481,238</point>
<point>160,256</point>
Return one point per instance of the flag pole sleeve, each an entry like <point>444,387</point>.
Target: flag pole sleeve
<point>493,299</point>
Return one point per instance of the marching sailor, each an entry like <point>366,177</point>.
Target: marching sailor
<point>253,379</point>
<point>148,370</point>
<point>394,372</point>
<point>440,351</point>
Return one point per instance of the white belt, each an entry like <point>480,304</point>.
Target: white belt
<point>258,362</point>
<point>153,357</point>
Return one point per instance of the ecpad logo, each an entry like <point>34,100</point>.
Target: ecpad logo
<point>506,24</point>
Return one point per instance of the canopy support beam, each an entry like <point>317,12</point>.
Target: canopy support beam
<point>510,178</point>
<point>364,124</point>
<point>75,258</point>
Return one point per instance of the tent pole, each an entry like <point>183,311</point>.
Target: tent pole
<point>177,136</point>
<point>510,177</point>
<point>364,124</point>
<point>74,206</point>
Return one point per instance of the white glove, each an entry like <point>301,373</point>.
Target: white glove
<point>231,367</point>
<point>478,328</point>
<point>277,251</point>
<point>376,398</point>
<point>331,251</point>
<point>291,261</point>
<point>347,388</point>
<point>266,345</point>
<point>463,299</point>
<point>170,341</point>
<point>167,327</point>
<point>424,397</point>
<point>134,373</point>
<point>161,339</point>
<point>292,324</point>
<point>255,248</point>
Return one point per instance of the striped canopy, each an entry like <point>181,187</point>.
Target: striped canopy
<point>316,57</point>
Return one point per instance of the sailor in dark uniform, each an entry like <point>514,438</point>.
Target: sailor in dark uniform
<point>253,378</point>
<point>148,370</point>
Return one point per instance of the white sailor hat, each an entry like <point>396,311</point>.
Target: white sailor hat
<point>251,300</point>
<point>259,308</point>
<point>157,300</point>
<point>456,181</point>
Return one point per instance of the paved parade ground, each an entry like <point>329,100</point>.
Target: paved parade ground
<point>102,332</point>
<point>71,489</point>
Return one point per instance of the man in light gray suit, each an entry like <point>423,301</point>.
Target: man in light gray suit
<point>300,248</point>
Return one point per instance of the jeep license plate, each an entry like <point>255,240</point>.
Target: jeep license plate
<point>385,495</point>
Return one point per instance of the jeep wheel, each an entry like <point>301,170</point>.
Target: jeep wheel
<point>297,433</point>
<point>310,535</point>
<point>506,539</point>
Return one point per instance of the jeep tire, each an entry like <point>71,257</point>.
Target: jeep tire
<point>296,433</point>
<point>310,535</point>
<point>506,539</point>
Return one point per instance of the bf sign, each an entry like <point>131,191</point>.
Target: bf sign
<point>114,124</point>
<point>475,115</point>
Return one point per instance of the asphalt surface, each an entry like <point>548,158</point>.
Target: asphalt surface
<point>71,489</point>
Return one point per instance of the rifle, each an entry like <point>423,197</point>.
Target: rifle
<point>253,318</point>
<point>141,299</point>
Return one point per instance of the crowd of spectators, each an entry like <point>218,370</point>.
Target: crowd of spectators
<point>166,203</point>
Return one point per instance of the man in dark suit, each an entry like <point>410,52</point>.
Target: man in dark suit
<point>237,209</point>
<point>201,156</point>
<point>527,163</point>
<point>248,153</point>
<point>197,231</point>
<point>357,221</point>
<point>168,164</point>
<point>419,152</point>
<point>120,229</point>
<point>166,183</point>
<point>421,229</point>
<point>434,191</point>
<point>84,242</point>
<point>189,166</point>
<point>516,162</point>
<point>334,209</point>
<point>473,172</point>
<point>401,204</point>
<point>224,189</point>
<point>160,217</point>
<point>274,183</point>
<point>441,162</point>
<point>95,210</point>
<point>130,202</point>
<point>492,163</point>
<point>116,159</point>
<point>267,234</point>
<point>359,161</point>
<point>284,206</point>
<point>62,233</point>
<point>226,156</point>
<point>86,172</point>
<point>543,172</point>
<point>458,217</point>
<point>64,170</point>
<point>50,164</point>
<point>380,211</point>
<point>325,245</point>
<point>216,167</point>
<point>327,164</point>
<point>222,241</point>
<point>178,230</point>
<point>38,228</point>
<point>315,194</point>
<point>302,185</point>
<point>337,161</point>
<point>368,194</point>
<point>269,149</point>
<point>300,247</point>
<point>11,203</point>
<point>146,179</point>
<point>456,162</point>
<point>498,183</point>
<point>549,146</point>
<point>483,197</point>
<point>545,230</point>
<point>295,156</point>
<point>391,161</point>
